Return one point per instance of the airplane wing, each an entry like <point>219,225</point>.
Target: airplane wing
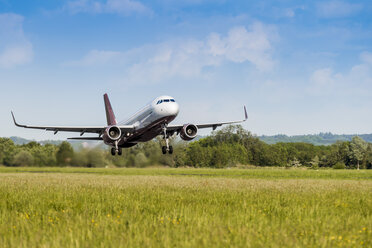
<point>86,138</point>
<point>177,128</point>
<point>81,130</point>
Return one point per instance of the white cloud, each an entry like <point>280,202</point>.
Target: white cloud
<point>366,57</point>
<point>241,45</point>
<point>15,49</point>
<point>289,13</point>
<point>336,9</point>
<point>188,57</point>
<point>125,7</point>
<point>357,79</point>
<point>323,77</point>
<point>95,57</point>
<point>168,60</point>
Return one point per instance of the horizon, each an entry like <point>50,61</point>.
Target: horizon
<point>300,69</point>
<point>202,136</point>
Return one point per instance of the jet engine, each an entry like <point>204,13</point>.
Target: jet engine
<point>188,132</point>
<point>112,133</point>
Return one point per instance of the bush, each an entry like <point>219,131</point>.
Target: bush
<point>141,160</point>
<point>80,159</point>
<point>65,153</point>
<point>95,158</point>
<point>339,166</point>
<point>23,158</point>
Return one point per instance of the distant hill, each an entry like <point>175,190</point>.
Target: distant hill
<point>316,139</point>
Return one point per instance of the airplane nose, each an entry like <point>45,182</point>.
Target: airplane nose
<point>167,109</point>
<point>173,109</point>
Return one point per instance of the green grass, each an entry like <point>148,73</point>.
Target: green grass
<point>257,173</point>
<point>64,207</point>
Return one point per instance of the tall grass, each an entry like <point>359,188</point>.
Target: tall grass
<point>156,208</point>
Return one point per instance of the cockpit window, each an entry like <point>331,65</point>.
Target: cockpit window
<point>165,100</point>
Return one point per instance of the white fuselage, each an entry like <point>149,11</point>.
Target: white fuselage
<point>149,120</point>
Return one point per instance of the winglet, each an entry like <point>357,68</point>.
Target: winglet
<point>14,120</point>
<point>111,120</point>
<point>245,113</point>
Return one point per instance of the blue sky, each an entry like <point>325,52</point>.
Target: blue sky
<point>300,67</point>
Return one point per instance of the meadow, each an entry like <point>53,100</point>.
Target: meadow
<point>159,207</point>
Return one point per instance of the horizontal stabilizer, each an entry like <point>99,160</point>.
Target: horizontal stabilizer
<point>85,138</point>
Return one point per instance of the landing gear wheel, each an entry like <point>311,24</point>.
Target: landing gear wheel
<point>120,151</point>
<point>164,149</point>
<point>170,151</point>
<point>113,151</point>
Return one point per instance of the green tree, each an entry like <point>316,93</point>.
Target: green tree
<point>80,158</point>
<point>43,155</point>
<point>315,162</point>
<point>65,153</point>
<point>339,152</point>
<point>130,160</point>
<point>358,148</point>
<point>141,160</point>
<point>152,149</point>
<point>95,158</point>
<point>23,158</point>
<point>369,157</point>
<point>198,155</point>
<point>230,155</point>
<point>7,151</point>
<point>294,163</point>
<point>179,155</point>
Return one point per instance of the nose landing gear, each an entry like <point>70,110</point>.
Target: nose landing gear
<point>167,147</point>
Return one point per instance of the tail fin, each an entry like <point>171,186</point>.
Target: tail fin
<point>111,120</point>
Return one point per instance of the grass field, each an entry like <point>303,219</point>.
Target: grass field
<point>70,207</point>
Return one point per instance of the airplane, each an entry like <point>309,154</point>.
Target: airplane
<point>152,120</point>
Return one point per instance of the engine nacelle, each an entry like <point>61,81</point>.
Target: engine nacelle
<point>188,132</point>
<point>111,133</point>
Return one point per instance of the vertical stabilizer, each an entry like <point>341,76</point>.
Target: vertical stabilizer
<point>111,120</point>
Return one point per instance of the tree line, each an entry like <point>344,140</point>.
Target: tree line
<point>316,139</point>
<point>228,147</point>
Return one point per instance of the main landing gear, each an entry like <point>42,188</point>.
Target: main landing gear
<point>164,149</point>
<point>116,149</point>
<point>167,147</point>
